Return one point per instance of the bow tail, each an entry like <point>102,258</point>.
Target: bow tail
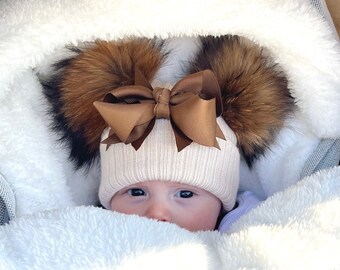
<point>111,139</point>
<point>144,130</point>
<point>182,140</point>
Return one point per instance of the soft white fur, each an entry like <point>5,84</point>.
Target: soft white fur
<point>295,229</point>
<point>30,158</point>
<point>298,226</point>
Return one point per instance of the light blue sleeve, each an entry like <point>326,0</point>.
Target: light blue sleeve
<point>246,201</point>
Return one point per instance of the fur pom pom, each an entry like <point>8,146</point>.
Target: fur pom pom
<point>86,77</point>
<point>256,98</point>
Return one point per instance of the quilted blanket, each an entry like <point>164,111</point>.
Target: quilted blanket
<point>56,225</point>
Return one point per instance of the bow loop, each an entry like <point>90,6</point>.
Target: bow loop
<point>192,106</point>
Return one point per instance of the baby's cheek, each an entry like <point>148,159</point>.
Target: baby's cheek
<point>119,205</point>
<point>203,218</point>
<point>196,221</point>
<point>127,206</point>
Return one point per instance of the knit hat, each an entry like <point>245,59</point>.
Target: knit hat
<point>212,169</point>
<point>168,136</point>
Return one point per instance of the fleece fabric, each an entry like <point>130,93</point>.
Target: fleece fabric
<point>296,227</point>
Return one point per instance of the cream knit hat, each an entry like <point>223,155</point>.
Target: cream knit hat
<point>212,169</point>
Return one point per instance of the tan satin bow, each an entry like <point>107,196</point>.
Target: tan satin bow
<point>191,106</point>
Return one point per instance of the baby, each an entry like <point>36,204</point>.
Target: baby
<point>155,176</point>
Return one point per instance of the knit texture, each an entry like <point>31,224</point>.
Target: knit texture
<point>7,202</point>
<point>325,156</point>
<point>214,170</point>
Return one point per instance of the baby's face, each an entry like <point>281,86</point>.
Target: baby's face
<point>187,206</point>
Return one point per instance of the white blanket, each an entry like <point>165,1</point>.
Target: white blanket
<point>296,229</point>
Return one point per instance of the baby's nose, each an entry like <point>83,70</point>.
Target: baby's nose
<point>159,211</point>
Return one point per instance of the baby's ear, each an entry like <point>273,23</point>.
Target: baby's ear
<point>87,76</point>
<point>255,94</point>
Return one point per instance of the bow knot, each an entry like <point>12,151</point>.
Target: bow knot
<point>192,107</point>
<point>162,98</point>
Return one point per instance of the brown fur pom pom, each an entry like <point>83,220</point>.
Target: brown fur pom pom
<point>87,77</point>
<point>256,98</point>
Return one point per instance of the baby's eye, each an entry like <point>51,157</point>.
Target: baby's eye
<point>136,192</point>
<point>184,194</point>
